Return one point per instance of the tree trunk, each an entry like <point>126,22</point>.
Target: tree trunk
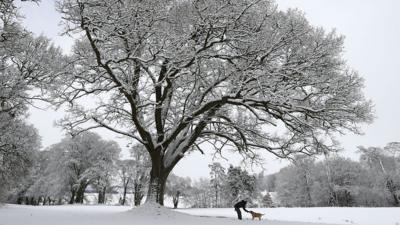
<point>138,193</point>
<point>102,196</point>
<point>156,189</point>
<point>32,201</point>
<point>396,200</point>
<point>158,178</point>
<point>216,197</point>
<point>72,199</point>
<point>175,199</point>
<point>392,190</point>
<point>100,199</point>
<point>308,190</point>
<point>124,195</point>
<point>80,193</point>
<point>73,194</point>
<point>20,200</point>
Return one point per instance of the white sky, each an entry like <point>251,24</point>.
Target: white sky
<point>372,45</point>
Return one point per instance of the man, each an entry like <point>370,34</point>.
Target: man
<point>241,204</point>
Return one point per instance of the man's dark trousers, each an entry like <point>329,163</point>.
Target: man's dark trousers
<point>239,213</point>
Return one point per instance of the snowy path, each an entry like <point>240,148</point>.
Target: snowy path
<point>118,215</point>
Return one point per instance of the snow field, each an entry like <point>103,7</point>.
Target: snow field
<point>151,214</point>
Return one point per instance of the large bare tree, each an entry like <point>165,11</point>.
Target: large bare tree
<point>173,74</point>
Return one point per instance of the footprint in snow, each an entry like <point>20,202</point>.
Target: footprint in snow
<point>349,221</point>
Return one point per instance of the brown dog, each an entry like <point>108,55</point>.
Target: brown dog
<point>256,215</point>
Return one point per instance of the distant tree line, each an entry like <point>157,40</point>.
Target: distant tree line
<point>63,172</point>
<point>374,181</point>
<point>334,181</point>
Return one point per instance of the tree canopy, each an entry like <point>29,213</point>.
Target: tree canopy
<point>173,75</point>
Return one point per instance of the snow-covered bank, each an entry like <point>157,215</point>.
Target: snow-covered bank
<point>353,216</point>
<point>115,215</point>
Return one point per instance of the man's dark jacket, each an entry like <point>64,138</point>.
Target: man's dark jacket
<point>241,204</point>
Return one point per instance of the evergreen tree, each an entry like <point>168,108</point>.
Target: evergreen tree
<point>218,177</point>
<point>267,201</point>
<point>239,185</point>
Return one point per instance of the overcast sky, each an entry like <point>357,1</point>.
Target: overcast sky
<point>372,45</point>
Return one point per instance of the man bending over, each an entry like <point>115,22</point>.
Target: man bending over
<point>241,204</point>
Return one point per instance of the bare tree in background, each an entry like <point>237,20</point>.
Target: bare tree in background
<point>385,165</point>
<point>177,188</point>
<point>82,160</point>
<point>126,172</point>
<point>140,176</point>
<point>172,75</point>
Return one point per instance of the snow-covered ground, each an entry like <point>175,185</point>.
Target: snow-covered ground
<point>120,215</point>
<point>347,216</point>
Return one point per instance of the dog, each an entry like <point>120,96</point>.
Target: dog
<point>256,215</point>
